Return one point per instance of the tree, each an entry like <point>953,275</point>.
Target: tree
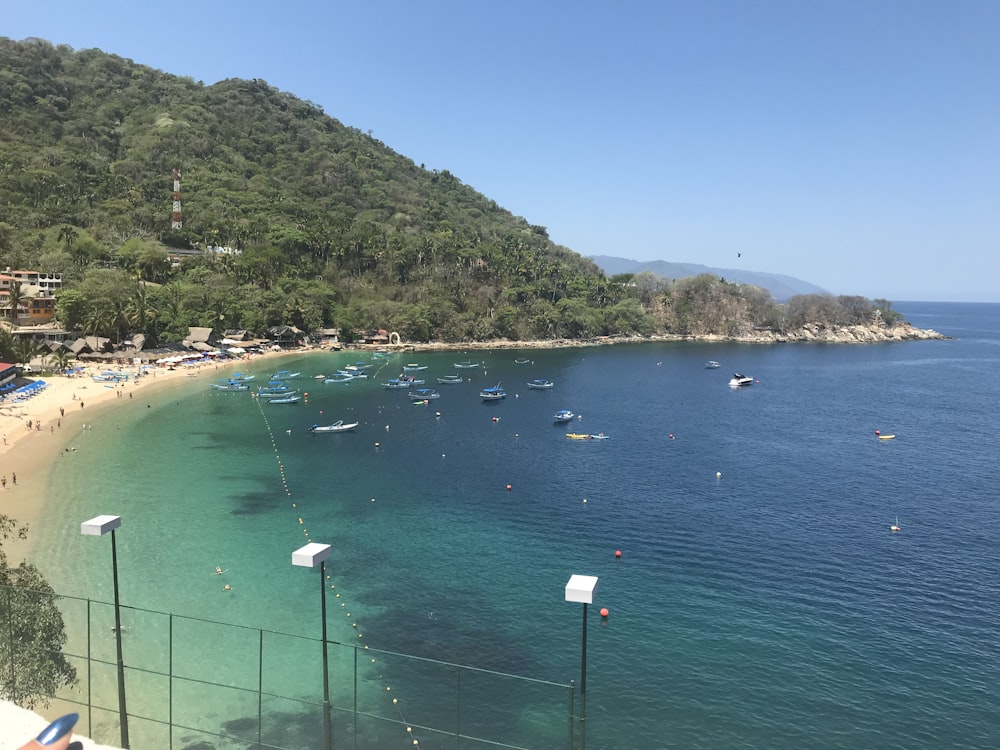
<point>32,634</point>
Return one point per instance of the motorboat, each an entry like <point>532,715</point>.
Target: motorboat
<point>712,365</point>
<point>739,380</point>
<point>467,365</point>
<point>404,381</point>
<point>493,393</point>
<point>284,400</point>
<point>285,375</point>
<point>445,379</point>
<point>540,384</point>
<point>424,394</point>
<point>564,415</point>
<point>240,377</point>
<point>230,385</point>
<point>277,394</point>
<point>339,378</point>
<point>413,367</point>
<point>337,426</point>
<point>521,361</point>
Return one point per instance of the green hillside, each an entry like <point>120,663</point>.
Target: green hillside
<point>332,228</point>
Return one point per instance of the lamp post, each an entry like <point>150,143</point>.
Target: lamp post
<point>310,556</point>
<point>581,589</point>
<point>98,526</point>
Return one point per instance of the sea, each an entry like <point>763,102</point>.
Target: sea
<point>761,598</point>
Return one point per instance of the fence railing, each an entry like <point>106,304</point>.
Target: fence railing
<point>193,682</point>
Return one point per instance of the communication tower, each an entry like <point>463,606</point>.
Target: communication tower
<point>175,217</point>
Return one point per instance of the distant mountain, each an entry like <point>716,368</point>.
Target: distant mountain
<point>781,287</point>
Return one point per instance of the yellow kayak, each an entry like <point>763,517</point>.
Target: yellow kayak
<point>886,437</point>
<point>577,436</point>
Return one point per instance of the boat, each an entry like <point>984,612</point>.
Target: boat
<point>353,374</point>
<point>404,381</point>
<point>521,361</point>
<point>540,384</point>
<point>445,379</point>
<point>578,436</point>
<point>413,367</point>
<point>337,426</point>
<point>493,393</point>
<point>239,376</point>
<point>712,365</point>
<point>563,415</point>
<point>895,527</point>
<point>230,386</point>
<point>886,437</point>
<point>339,378</point>
<point>467,365</point>
<point>284,400</point>
<point>424,394</point>
<point>285,375</point>
<point>738,380</point>
<point>599,436</point>
<point>273,387</point>
<point>274,395</point>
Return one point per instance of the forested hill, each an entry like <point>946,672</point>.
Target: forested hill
<point>331,227</point>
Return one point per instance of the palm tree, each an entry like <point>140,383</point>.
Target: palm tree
<point>25,350</point>
<point>15,301</point>
<point>60,358</point>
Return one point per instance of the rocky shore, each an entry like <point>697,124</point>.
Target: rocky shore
<point>815,333</point>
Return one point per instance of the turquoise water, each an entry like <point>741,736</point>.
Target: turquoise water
<point>766,606</point>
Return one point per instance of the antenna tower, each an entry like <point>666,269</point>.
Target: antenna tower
<point>175,217</point>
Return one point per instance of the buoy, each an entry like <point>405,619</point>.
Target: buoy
<point>671,436</point>
<point>508,488</point>
<point>376,445</point>
<point>604,612</point>
<point>718,474</point>
<point>878,432</point>
<point>618,554</point>
<point>496,419</point>
<point>584,501</point>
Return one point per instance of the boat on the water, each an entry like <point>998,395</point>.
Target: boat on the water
<point>404,381</point>
<point>275,386</point>
<point>493,393</point>
<point>563,415</point>
<point>738,380</point>
<point>240,377</point>
<point>467,365</point>
<point>521,361</point>
<point>424,394</point>
<point>285,375</point>
<point>353,374</point>
<point>413,367</point>
<point>540,384</point>
<point>578,435</point>
<point>284,400</point>
<point>339,378</point>
<point>445,379</point>
<point>337,426</point>
<point>271,395</point>
<point>712,365</point>
<point>230,385</point>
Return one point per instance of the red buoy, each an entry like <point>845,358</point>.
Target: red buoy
<point>604,612</point>
<point>618,554</point>
<point>878,432</point>
<point>671,436</point>
<point>508,488</point>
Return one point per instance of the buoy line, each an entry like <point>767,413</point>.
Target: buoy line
<point>343,605</point>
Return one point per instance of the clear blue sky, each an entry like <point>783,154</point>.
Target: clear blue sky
<point>854,144</point>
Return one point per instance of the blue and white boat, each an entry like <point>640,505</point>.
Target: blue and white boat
<point>337,426</point>
<point>739,381</point>
<point>340,377</point>
<point>466,365</point>
<point>274,395</point>
<point>413,367</point>
<point>230,385</point>
<point>493,393</point>
<point>424,394</point>
<point>274,386</point>
<point>285,375</point>
<point>450,379</point>
<point>563,415</point>
<point>240,377</point>
<point>712,365</point>
<point>540,384</point>
<point>404,381</point>
<point>284,400</point>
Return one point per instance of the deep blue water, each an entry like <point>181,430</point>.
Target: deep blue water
<point>761,599</point>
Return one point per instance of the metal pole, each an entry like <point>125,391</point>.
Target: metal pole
<point>327,729</point>
<point>122,713</point>
<point>583,683</point>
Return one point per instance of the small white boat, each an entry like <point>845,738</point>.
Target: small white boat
<point>424,394</point>
<point>337,426</point>
<point>283,400</point>
<point>467,365</point>
<point>271,395</point>
<point>895,527</point>
<point>230,386</point>
<point>541,384</point>
<point>521,361</point>
<point>285,375</point>
<point>738,380</point>
<point>563,415</point>
<point>413,367</point>
<point>445,379</point>
<point>712,365</point>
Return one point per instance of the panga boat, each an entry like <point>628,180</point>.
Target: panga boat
<point>284,400</point>
<point>712,365</point>
<point>521,361</point>
<point>285,375</point>
<point>739,381</point>
<point>339,378</point>
<point>270,396</point>
<point>540,383</point>
<point>231,385</point>
<point>450,379</point>
<point>424,394</point>
<point>563,415</point>
<point>494,393</point>
<point>337,426</point>
<point>467,365</point>
<point>404,381</point>
<point>413,367</point>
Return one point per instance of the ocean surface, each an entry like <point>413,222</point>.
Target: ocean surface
<point>761,599</point>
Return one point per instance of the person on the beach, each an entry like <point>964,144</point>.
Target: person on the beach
<point>13,478</point>
<point>3,481</point>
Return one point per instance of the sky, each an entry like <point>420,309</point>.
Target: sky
<point>853,144</point>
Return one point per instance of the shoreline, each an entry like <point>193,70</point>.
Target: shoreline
<point>63,409</point>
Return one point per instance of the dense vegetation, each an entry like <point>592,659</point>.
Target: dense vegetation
<point>333,228</point>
